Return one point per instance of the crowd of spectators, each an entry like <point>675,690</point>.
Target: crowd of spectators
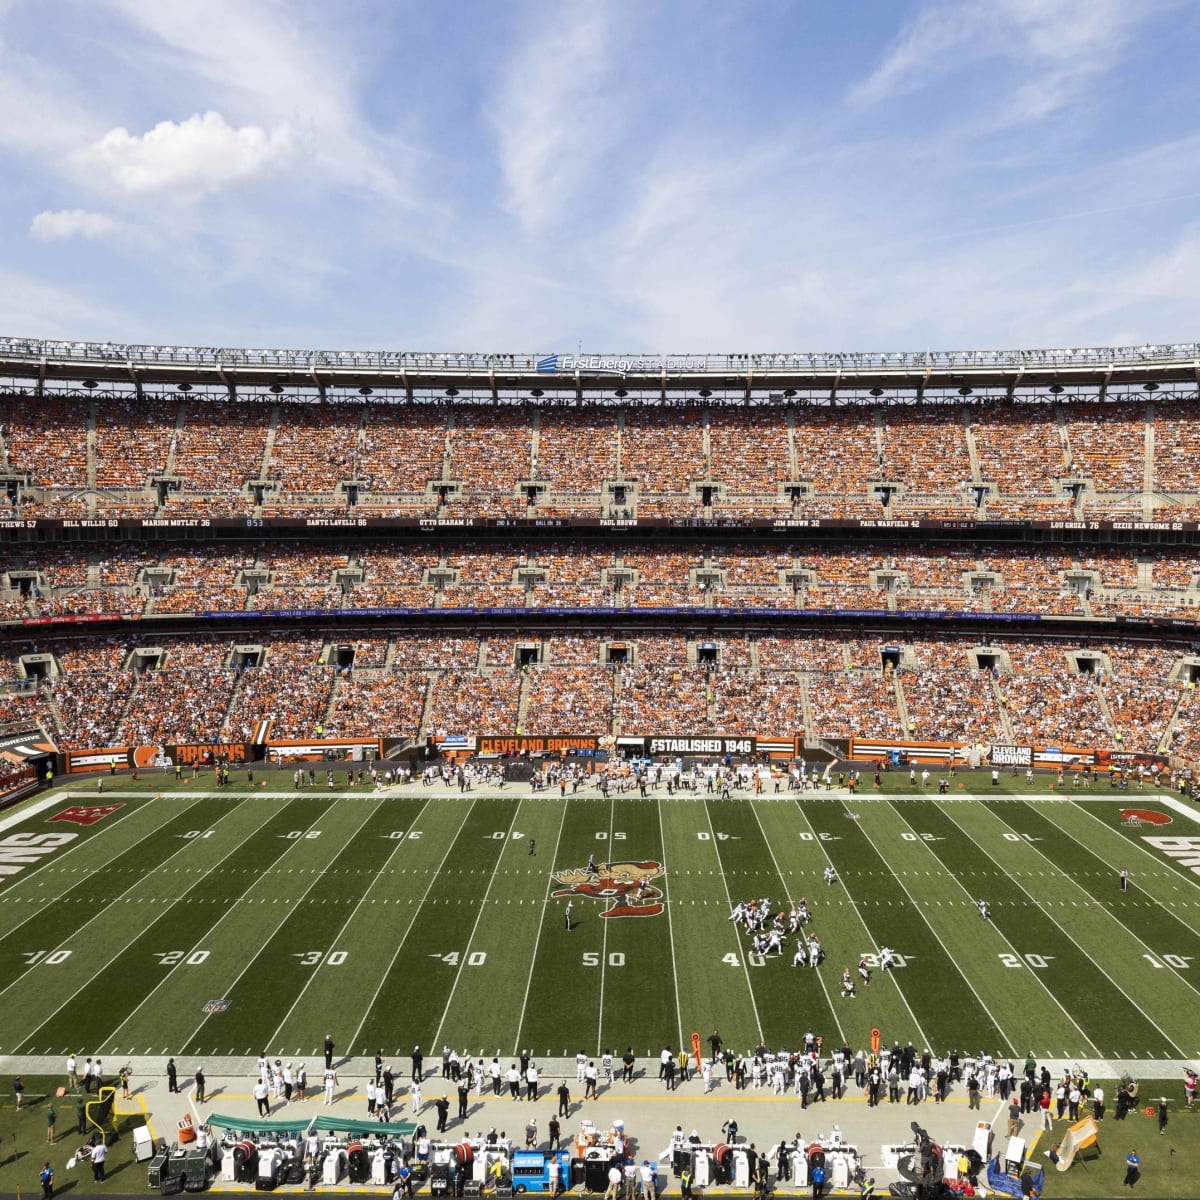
<point>220,447</point>
<point>569,699</point>
<point>133,438</point>
<point>1107,444</point>
<point>577,452</point>
<point>664,452</point>
<point>925,449</point>
<point>666,699</point>
<point>387,703</point>
<point>855,704</point>
<point>1176,446</point>
<point>476,701</point>
<point>196,691</point>
<point>749,452</point>
<point>402,449</point>
<point>1020,449</point>
<point>290,687</point>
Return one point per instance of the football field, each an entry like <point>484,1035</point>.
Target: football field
<point>160,918</point>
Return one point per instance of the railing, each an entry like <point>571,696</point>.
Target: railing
<point>34,349</point>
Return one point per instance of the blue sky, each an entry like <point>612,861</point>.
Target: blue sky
<point>639,177</point>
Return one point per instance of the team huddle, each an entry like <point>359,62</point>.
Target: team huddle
<point>768,932</point>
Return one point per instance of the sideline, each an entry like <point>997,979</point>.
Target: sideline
<point>22,814</point>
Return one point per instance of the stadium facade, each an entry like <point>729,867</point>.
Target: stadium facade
<point>257,551</point>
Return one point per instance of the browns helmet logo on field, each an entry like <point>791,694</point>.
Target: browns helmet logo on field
<point>1143,816</point>
<point>624,886</point>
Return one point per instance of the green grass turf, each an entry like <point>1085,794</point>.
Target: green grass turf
<point>409,919</point>
<point>1163,1174</point>
<point>24,1147</point>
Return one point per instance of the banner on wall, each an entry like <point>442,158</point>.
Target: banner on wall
<point>557,743</point>
<point>1011,756</point>
<point>701,745</point>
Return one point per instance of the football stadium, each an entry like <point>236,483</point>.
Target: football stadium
<point>838,699</point>
<point>503,690</point>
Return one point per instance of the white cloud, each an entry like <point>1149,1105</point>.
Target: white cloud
<point>203,153</point>
<point>1059,46</point>
<point>52,226</point>
<point>279,67</point>
<point>550,118</point>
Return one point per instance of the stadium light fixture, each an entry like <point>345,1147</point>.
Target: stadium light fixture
<point>1150,387</point>
<point>877,392</point>
<point>366,391</point>
<point>276,389</point>
<point>185,387</point>
<point>965,391</point>
<point>89,384</point>
<point>1057,389</point>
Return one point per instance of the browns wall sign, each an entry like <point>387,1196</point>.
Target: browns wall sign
<point>546,744</point>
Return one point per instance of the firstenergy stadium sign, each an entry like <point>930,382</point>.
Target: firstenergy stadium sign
<point>550,364</point>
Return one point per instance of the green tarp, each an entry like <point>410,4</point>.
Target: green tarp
<point>325,1124</point>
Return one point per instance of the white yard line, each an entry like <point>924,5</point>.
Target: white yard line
<point>437,1037</point>
<point>291,910</point>
<point>612,815</point>
<point>412,920</point>
<point>116,899</point>
<point>1091,902</point>
<point>712,833</point>
<point>783,881</point>
<point>86,844</point>
<point>862,921</point>
<point>917,908</point>
<point>942,870</point>
<point>662,838</point>
<point>400,843</point>
<point>1164,870</point>
<point>1062,930</point>
<point>537,941</point>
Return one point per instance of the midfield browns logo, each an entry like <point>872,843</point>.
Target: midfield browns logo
<point>1143,816</point>
<point>625,886</point>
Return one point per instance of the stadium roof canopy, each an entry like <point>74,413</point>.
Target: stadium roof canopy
<point>912,372</point>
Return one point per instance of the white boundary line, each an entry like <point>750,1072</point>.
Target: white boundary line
<point>1062,929</point>
<point>412,920</point>
<point>951,875</point>
<point>712,833</point>
<point>843,800</point>
<point>96,916</point>
<point>292,909</point>
<point>787,892</point>
<point>400,843</point>
<point>437,1037</point>
<point>662,841</point>
<point>862,920</point>
<point>23,814</point>
<point>541,925</point>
